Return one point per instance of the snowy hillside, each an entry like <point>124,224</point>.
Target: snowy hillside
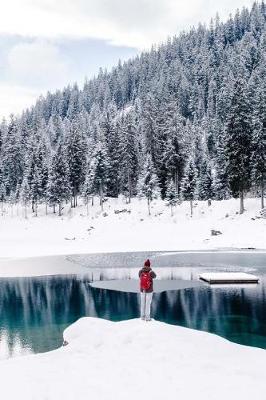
<point>183,121</point>
<point>128,227</point>
<point>134,359</point>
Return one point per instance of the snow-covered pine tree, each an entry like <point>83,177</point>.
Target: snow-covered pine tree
<point>220,180</point>
<point>148,123</point>
<point>12,157</point>
<point>2,190</point>
<point>175,148</point>
<point>74,102</point>
<point>258,158</point>
<point>44,159</point>
<point>86,192</point>
<point>128,151</point>
<point>98,172</point>
<point>25,194</point>
<point>113,153</point>
<point>2,197</point>
<point>36,171</point>
<point>12,199</point>
<point>88,185</point>
<point>148,183</point>
<point>238,142</point>
<point>76,148</point>
<point>108,133</point>
<point>171,195</point>
<point>205,187</point>
<point>55,129</point>
<point>189,183</point>
<point>35,187</point>
<point>59,188</point>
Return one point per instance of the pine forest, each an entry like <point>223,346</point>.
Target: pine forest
<point>183,121</point>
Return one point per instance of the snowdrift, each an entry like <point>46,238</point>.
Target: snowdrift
<point>135,359</point>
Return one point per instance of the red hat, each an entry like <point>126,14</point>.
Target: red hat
<point>147,263</point>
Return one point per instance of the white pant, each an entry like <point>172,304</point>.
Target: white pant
<point>145,304</point>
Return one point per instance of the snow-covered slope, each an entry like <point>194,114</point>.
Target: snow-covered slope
<point>135,360</point>
<point>134,230</point>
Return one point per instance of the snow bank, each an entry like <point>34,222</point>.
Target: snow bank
<point>133,230</point>
<point>135,359</point>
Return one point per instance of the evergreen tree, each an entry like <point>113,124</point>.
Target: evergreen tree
<point>59,188</point>
<point>148,184</point>
<point>97,178</point>
<point>87,191</point>
<point>43,162</point>
<point>205,187</point>
<point>35,188</point>
<point>2,190</point>
<point>238,142</point>
<point>88,185</point>
<point>221,182</point>
<point>12,157</point>
<point>36,171</point>
<point>12,199</point>
<point>189,183</point>
<point>258,159</point>
<point>2,197</point>
<point>76,148</point>
<point>175,148</point>
<point>25,194</point>
<point>171,195</point>
<point>111,140</point>
<point>128,162</point>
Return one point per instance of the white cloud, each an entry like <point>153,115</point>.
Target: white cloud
<point>136,23</point>
<point>33,67</point>
<point>14,99</point>
<point>37,63</point>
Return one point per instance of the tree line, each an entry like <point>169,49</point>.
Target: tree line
<point>184,121</point>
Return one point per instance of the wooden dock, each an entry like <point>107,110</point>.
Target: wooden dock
<point>228,277</point>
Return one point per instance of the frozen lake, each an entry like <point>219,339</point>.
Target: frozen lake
<point>34,311</point>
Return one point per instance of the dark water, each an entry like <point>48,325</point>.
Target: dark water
<point>35,311</point>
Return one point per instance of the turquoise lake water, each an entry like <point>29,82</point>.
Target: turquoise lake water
<point>35,311</point>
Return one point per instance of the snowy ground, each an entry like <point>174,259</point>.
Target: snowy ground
<point>136,360</point>
<point>131,359</point>
<point>75,232</point>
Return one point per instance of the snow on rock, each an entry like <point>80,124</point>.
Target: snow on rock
<point>76,232</point>
<point>134,360</point>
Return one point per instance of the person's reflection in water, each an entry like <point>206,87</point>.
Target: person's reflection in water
<point>146,275</point>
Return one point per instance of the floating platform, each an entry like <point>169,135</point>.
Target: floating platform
<point>228,277</point>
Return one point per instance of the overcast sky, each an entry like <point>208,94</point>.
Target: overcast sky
<point>47,44</point>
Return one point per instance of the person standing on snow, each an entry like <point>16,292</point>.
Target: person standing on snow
<point>146,275</point>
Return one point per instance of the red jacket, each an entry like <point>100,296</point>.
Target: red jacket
<point>152,274</point>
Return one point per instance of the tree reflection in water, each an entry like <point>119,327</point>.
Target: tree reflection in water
<point>35,311</point>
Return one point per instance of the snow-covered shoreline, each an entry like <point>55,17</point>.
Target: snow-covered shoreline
<point>37,245</point>
<point>132,229</point>
<point>106,360</point>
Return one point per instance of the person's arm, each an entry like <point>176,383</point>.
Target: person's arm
<point>153,274</point>
<point>140,271</point>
